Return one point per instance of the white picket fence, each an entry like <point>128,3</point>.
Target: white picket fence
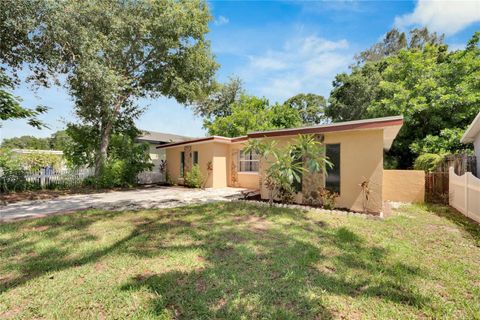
<point>48,177</point>
<point>464,194</point>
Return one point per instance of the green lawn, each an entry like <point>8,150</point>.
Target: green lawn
<point>237,261</point>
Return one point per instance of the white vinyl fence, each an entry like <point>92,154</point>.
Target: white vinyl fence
<point>464,194</point>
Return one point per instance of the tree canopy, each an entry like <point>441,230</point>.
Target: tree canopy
<point>57,141</point>
<point>218,101</point>
<point>249,114</point>
<point>310,106</point>
<point>113,52</point>
<point>433,88</point>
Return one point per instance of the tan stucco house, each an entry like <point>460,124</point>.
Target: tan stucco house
<point>355,147</point>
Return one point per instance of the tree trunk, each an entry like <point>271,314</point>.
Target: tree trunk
<point>106,130</point>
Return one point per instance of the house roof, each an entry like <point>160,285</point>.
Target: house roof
<point>219,139</point>
<point>473,131</point>
<point>391,126</point>
<point>161,137</point>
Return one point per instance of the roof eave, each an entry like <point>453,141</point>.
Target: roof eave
<point>472,131</point>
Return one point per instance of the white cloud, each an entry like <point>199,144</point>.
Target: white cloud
<point>303,65</point>
<point>447,17</point>
<point>221,20</point>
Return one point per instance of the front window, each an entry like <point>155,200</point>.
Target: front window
<point>332,181</point>
<point>182,163</point>
<point>248,161</point>
<point>195,157</point>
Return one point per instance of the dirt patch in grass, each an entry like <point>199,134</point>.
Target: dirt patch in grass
<point>143,276</point>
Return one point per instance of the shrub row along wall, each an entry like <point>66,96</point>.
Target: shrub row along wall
<point>464,194</point>
<point>404,185</point>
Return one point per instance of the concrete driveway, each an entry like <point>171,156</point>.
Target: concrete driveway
<point>158,197</point>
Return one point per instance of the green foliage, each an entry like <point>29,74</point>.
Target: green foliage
<point>285,165</point>
<point>395,41</point>
<point>237,113</point>
<point>353,93</point>
<point>12,176</point>
<point>218,103</point>
<point>114,52</point>
<point>26,142</point>
<point>57,141</point>
<point>428,162</point>
<point>126,158</point>
<point>194,177</point>
<point>10,107</point>
<point>249,114</point>
<point>310,107</point>
<point>433,88</point>
<point>36,161</point>
<point>447,142</point>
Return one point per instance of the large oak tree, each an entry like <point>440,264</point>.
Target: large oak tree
<point>113,52</point>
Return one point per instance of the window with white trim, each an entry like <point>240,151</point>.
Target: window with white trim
<point>248,161</point>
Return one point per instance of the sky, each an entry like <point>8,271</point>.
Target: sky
<point>278,49</point>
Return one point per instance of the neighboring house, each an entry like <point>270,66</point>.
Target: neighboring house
<point>355,148</point>
<point>472,135</point>
<point>155,139</point>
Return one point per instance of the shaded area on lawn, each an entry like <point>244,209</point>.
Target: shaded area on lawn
<point>242,260</point>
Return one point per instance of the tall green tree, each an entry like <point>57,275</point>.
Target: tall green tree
<point>353,93</point>
<point>395,41</point>
<point>433,88</point>
<point>253,114</point>
<point>310,106</point>
<point>219,100</point>
<point>114,52</point>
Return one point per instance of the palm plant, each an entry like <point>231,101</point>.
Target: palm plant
<point>286,165</point>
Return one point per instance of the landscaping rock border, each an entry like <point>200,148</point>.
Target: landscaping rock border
<point>318,210</point>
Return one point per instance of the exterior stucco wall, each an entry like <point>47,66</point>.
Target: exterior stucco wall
<point>205,155</point>
<point>361,157</point>
<point>249,180</point>
<point>404,185</point>
<point>220,165</point>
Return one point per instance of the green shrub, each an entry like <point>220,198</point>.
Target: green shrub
<point>428,162</point>
<point>113,175</point>
<point>194,178</point>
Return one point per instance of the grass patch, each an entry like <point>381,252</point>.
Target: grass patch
<point>238,261</point>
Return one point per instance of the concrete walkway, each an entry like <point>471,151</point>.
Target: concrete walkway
<point>158,197</point>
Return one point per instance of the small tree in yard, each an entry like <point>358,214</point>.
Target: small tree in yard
<point>287,164</point>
